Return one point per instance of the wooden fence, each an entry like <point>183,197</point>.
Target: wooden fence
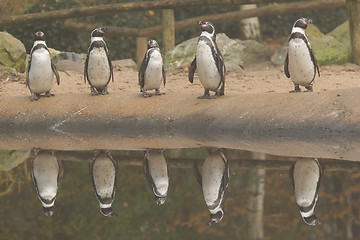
<point>169,26</point>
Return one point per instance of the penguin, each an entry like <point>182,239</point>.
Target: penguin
<point>157,173</point>
<point>300,61</point>
<point>152,70</point>
<point>306,177</point>
<point>214,182</point>
<point>209,62</point>
<point>46,173</point>
<point>41,70</point>
<point>103,171</point>
<point>98,68</point>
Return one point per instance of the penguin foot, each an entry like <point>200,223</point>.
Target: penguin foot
<point>34,96</point>
<point>93,91</point>
<point>309,89</point>
<point>146,95</point>
<point>48,94</point>
<point>205,97</point>
<point>157,92</point>
<point>218,94</point>
<point>105,91</point>
<point>297,89</point>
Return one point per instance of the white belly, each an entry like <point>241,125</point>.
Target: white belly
<point>158,172</point>
<point>301,68</point>
<point>46,170</point>
<point>153,73</point>
<point>212,174</point>
<point>104,176</point>
<point>98,68</point>
<point>207,71</point>
<point>306,177</point>
<point>40,74</point>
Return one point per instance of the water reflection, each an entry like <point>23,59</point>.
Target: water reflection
<point>103,171</point>
<point>306,177</point>
<point>46,173</point>
<point>157,173</point>
<point>185,214</point>
<point>214,182</point>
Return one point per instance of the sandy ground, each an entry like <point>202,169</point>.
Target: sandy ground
<point>260,78</point>
<point>253,105</point>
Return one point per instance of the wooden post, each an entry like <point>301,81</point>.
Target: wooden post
<point>141,47</point>
<point>168,34</point>
<point>353,8</point>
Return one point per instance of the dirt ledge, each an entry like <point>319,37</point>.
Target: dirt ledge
<point>319,124</point>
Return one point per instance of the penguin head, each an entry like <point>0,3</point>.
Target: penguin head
<point>217,217</point>
<point>98,32</point>
<point>39,36</point>
<point>312,220</point>
<point>48,211</point>
<point>160,200</point>
<point>107,212</point>
<point>302,23</point>
<point>152,44</point>
<point>207,26</point>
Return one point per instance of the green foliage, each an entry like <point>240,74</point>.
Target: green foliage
<point>123,47</point>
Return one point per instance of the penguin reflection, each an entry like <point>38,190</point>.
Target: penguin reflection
<point>103,171</point>
<point>214,182</point>
<point>157,173</point>
<point>306,175</point>
<point>46,173</point>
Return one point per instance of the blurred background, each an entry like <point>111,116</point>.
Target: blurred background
<point>274,29</point>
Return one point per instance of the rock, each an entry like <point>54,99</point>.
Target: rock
<point>332,48</point>
<point>326,48</point>
<point>255,52</point>
<point>10,159</point>
<point>342,34</point>
<point>65,65</point>
<point>65,61</point>
<point>239,53</point>
<point>75,57</point>
<point>7,69</point>
<point>129,63</point>
<point>278,58</point>
<point>12,52</point>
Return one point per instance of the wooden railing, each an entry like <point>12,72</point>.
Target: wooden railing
<point>279,7</point>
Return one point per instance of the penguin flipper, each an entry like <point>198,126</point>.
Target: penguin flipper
<point>196,173</point>
<point>110,65</point>
<point>222,74</point>
<point>226,176</point>
<point>141,75</point>
<point>27,72</point>
<point>291,174</point>
<point>164,74</point>
<point>61,171</point>
<point>286,66</point>
<point>55,71</point>
<point>192,69</point>
<point>86,67</point>
<point>316,66</point>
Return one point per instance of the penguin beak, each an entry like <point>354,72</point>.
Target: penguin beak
<point>160,200</point>
<point>201,23</point>
<point>107,212</point>
<point>103,29</point>
<point>309,21</point>
<point>315,222</point>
